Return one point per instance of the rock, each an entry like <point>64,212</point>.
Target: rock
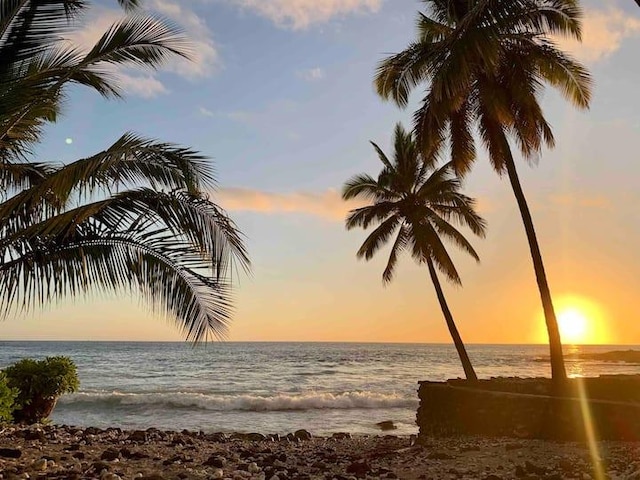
<point>100,466</point>
<point>215,461</point>
<point>531,468</point>
<point>492,477</point>
<point>386,425</point>
<point>218,473</point>
<point>35,434</point>
<point>359,469</point>
<point>253,468</point>
<point>10,452</point>
<point>341,435</point>
<point>138,436</point>
<point>520,471</point>
<point>110,454</point>
<point>302,434</point>
<point>153,476</point>
<point>256,437</point>
<point>40,464</point>
<point>110,476</point>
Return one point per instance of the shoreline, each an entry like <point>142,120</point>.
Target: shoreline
<point>64,452</point>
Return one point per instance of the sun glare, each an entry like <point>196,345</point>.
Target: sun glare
<point>574,326</point>
<point>582,321</point>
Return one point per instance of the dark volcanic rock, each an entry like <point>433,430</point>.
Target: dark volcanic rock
<point>10,452</point>
<point>531,468</point>
<point>302,434</point>
<point>386,425</point>
<point>359,469</point>
<point>138,436</point>
<point>110,454</point>
<point>215,461</point>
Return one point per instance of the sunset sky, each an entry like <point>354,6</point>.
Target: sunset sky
<point>280,95</point>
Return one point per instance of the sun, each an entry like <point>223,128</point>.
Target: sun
<point>581,320</point>
<point>574,325</point>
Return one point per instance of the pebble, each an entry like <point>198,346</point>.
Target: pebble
<point>217,473</point>
<point>40,464</point>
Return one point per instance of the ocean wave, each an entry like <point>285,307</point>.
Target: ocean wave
<point>252,403</point>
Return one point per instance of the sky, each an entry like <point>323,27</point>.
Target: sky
<point>279,94</point>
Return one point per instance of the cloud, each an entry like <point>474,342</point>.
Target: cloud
<point>203,55</point>
<point>603,32</point>
<point>328,204</point>
<point>206,112</point>
<point>311,75</point>
<point>145,86</point>
<point>300,14</point>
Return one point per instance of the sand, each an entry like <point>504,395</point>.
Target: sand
<point>111,454</point>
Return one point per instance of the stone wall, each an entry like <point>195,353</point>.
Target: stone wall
<point>505,407</point>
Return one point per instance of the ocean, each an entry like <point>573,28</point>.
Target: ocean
<point>273,387</point>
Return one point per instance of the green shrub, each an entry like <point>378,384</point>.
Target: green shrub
<point>39,384</point>
<point>7,399</point>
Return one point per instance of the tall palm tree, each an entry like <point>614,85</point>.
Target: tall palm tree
<point>135,215</point>
<point>421,202</point>
<point>485,63</point>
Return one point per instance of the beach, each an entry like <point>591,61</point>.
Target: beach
<point>109,454</point>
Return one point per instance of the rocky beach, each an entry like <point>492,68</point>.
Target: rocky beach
<point>61,452</point>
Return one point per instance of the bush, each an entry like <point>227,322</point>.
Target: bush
<point>7,399</point>
<point>39,384</point>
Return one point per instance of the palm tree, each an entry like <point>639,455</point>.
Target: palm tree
<point>485,63</point>
<point>418,201</point>
<point>135,215</point>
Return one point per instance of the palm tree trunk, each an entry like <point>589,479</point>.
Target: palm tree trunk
<point>453,330</point>
<point>558,372</point>
<point>638,2</point>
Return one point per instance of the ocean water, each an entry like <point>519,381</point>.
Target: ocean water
<point>273,387</point>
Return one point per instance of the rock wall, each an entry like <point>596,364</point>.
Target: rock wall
<point>503,407</point>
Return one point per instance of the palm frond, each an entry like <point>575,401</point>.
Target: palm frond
<point>398,246</point>
<point>198,304</point>
<point>139,40</point>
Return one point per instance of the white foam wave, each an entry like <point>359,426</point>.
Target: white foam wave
<point>254,403</point>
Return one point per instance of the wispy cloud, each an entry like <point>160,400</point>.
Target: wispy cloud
<point>203,55</point>
<point>206,112</point>
<point>145,86</point>
<point>300,14</point>
<point>327,205</point>
<point>603,33</point>
<point>311,75</point>
<point>204,58</point>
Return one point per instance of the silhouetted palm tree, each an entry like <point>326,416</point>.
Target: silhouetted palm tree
<point>419,201</point>
<point>135,215</point>
<point>485,63</point>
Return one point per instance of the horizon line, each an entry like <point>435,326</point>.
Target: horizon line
<point>310,342</point>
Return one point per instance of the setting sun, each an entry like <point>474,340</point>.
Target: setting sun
<point>574,326</point>
<point>582,321</point>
